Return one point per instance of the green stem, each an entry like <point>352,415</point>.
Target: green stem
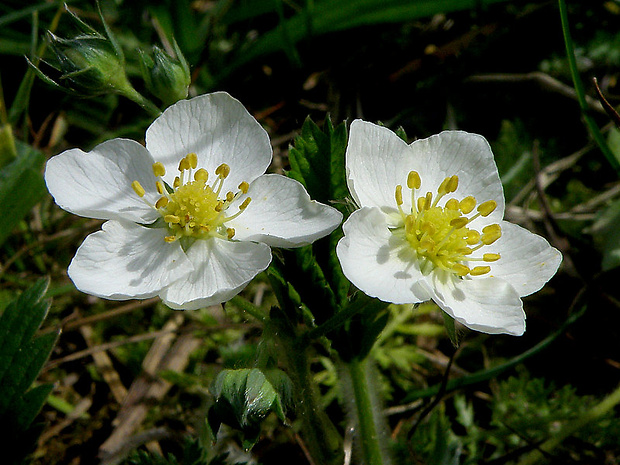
<point>320,436</point>
<point>593,128</point>
<point>571,427</point>
<point>134,95</point>
<point>365,409</point>
<point>249,308</point>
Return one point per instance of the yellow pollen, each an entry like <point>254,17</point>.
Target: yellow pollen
<point>193,208</point>
<point>439,230</point>
<point>138,189</point>
<point>158,169</point>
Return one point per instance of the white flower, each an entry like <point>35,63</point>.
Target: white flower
<point>431,226</point>
<point>192,215</point>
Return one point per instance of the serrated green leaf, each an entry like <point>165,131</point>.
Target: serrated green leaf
<point>31,403</point>
<point>21,187</point>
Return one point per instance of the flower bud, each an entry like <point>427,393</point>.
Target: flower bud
<point>165,77</point>
<point>89,64</point>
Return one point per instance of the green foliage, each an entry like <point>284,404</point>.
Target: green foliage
<point>22,355</point>
<point>192,454</point>
<point>21,188</point>
<point>243,398</point>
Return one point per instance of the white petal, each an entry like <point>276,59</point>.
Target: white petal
<point>221,270</point>
<point>374,160</point>
<point>97,184</point>
<point>125,261</point>
<point>470,157</point>
<point>527,260</point>
<point>281,214</point>
<point>489,305</point>
<point>378,263</point>
<point>219,130</point>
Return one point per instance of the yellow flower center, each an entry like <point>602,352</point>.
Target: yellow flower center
<point>440,235</point>
<point>192,207</point>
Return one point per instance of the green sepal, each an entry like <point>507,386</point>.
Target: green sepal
<point>244,397</point>
<point>448,322</point>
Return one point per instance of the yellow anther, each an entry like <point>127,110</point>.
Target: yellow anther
<point>460,269</point>
<point>442,190</point>
<point>413,180</point>
<point>473,237</point>
<point>160,187</point>
<point>219,206</point>
<point>453,184</point>
<point>486,208</point>
<point>230,232</point>
<point>421,202</point>
<point>491,257</point>
<point>177,182</point>
<point>490,234</point>
<point>428,200</point>
<point>467,204</point>
<point>245,203</point>
<point>452,204</point>
<point>138,189</point>
<point>409,224</point>
<point>184,164</point>
<point>222,171</point>
<point>158,169</point>
<point>172,219</point>
<point>428,228</point>
<point>427,244</point>
<point>464,251</point>
<point>459,222</point>
<point>230,196</point>
<point>479,270</point>
<point>192,159</point>
<point>243,187</point>
<point>170,239</point>
<point>162,202</point>
<point>201,175</point>
<point>399,195</point>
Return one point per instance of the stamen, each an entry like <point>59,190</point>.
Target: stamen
<point>490,234</point>
<point>138,189</point>
<point>460,269</point>
<point>230,232</point>
<point>413,180</point>
<point>479,270</point>
<point>467,204</point>
<point>222,171</point>
<point>491,257</point>
<point>201,175</point>
<point>452,204</point>
<point>486,208</point>
<point>158,169</point>
<point>192,160</point>
<point>172,219</point>
<point>245,203</point>
<point>243,187</point>
<point>459,222</point>
<point>399,195</point>
<point>162,202</point>
<point>160,188</point>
